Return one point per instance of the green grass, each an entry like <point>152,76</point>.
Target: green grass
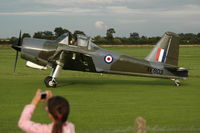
<point>106,103</point>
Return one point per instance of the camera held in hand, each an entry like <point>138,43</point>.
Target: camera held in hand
<point>43,95</point>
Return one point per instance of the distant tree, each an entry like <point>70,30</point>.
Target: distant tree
<point>125,40</point>
<point>13,40</point>
<point>26,35</point>
<point>117,40</point>
<point>59,31</point>
<point>98,37</point>
<point>79,32</point>
<point>143,40</point>
<point>189,38</point>
<point>134,35</point>
<point>38,34</point>
<point>198,35</point>
<point>99,40</point>
<point>153,40</point>
<point>109,34</point>
<point>44,35</point>
<point>48,35</point>
<point>143,37</point>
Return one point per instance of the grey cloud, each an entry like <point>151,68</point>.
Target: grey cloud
<point>125,15</point>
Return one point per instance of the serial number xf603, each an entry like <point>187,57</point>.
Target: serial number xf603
<point>155,70</point>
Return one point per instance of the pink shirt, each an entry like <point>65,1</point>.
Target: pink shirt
<point>29,126</point>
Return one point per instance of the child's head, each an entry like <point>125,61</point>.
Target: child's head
<point>58,107</point>
<point>140,125</point>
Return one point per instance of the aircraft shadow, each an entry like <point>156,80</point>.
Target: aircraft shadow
<point>157,82</point>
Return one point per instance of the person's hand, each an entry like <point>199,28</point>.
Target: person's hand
<point>37,97</point>
<point>49,95</point>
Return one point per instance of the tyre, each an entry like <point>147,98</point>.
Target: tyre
<point>177,83</point>
<point>49,82</point>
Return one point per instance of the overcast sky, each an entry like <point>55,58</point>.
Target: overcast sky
<point>147,17</point>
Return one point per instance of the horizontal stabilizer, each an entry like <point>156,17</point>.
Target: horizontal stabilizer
<point>179,71</point>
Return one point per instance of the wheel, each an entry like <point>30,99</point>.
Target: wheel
<point>49,82</point>
<point>177,83</point>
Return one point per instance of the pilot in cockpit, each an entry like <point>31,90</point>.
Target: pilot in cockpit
<point>73,40</point>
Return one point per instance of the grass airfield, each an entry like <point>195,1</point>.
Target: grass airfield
<point>106,103</point>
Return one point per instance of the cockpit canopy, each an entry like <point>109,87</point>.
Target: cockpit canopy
<point>78,40</point>
<point>83,41</point>
<point>63,39</point>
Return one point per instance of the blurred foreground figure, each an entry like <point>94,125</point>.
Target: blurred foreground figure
<point>140,125</point>
<point>58,110</point>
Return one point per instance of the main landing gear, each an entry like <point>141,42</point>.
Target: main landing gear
<point>176,82</point>
<point>50,81</point>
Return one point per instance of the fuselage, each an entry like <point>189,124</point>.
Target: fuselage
<point>90,58</point>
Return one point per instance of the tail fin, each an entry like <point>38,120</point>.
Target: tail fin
<point>166,50</point>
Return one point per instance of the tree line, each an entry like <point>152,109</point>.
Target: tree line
<point>134,38</point>
<point>109,38</point>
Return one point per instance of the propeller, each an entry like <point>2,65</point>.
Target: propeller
<point>17,47</point>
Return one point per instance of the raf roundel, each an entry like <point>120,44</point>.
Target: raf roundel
<point>108,59</point>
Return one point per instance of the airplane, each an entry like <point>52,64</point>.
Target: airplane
<point>79,53</point>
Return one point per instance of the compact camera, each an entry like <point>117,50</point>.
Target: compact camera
<point>43,95</point>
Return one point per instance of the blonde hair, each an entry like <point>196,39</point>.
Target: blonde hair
<point>140,125</point>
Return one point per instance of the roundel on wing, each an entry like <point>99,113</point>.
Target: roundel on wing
<point>108,59</point>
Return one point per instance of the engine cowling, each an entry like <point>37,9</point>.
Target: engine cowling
<point>38,51</point>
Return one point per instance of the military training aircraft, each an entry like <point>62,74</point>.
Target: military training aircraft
<point>78,53</point>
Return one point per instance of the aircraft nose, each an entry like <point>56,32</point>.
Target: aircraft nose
<point>16,47</point>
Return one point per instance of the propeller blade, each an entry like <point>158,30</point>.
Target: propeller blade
<point>16,58</point>
<point>19,40</point>
<point>17,48</point>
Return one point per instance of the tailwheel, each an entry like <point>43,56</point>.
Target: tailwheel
<point>50,82</point>
<point>176,82</point>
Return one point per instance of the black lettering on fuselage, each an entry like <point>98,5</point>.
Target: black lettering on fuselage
<point>155,70</point>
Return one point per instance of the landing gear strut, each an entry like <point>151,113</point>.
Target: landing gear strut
<point>176,82</point>
<point>50,81</point>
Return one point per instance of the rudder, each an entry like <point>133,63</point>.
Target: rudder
<point>166,50</point>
